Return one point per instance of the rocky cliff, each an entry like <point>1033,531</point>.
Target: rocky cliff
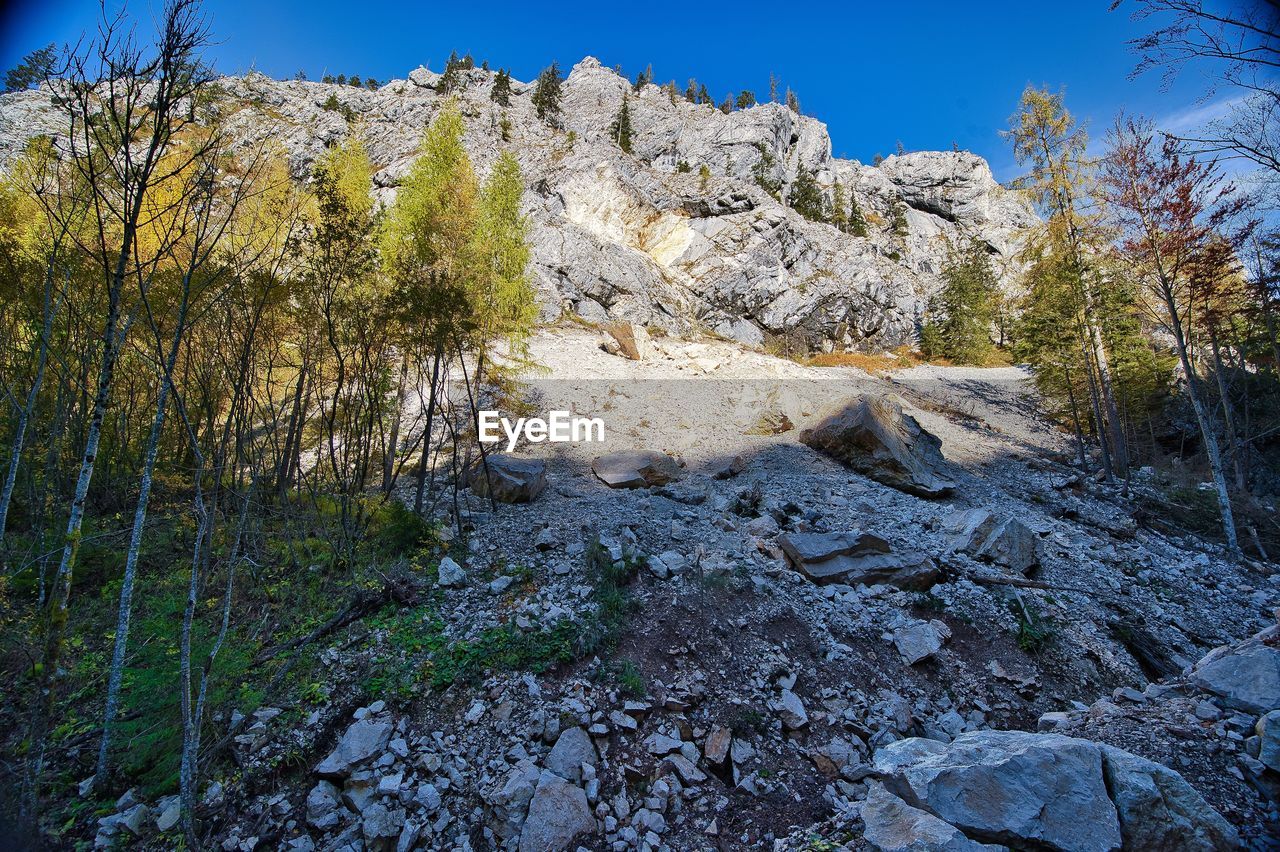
<point>644,236</point>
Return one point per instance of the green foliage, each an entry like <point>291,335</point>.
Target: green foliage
<point>500,94</point>
<point>630,679</point>
<point>34,68</point>
<point>704,176</point>
<point>746,99</point>
<point>806,197</point>
<point>762,171</point>
<point>546,94</point>
<point>620,130</point>
<point>958,326</point>
<point>1034,630</point>
<point>451,80</point>
<point>683,167</point>
<point>332,104</point>
<point>898,219</point>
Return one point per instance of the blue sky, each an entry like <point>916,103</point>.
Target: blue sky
<point>925,73</point>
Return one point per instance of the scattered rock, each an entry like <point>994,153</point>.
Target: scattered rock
<point>573,748</point>
<point>876,438</point>
<point>791,711</point>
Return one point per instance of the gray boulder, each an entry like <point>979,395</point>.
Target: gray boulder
<point>891,825</point>
<point>1003,541</point>
<point>1048,791</point>
<point>381,824</point>
<point>572,749</point>
<point>635,469</point>
<point>1021,789</point>
<point>854,557</point>
<point>920,641</point>
<point>509,479</point>
<point>877,439</point>
<point>1160,810</point>
<point>558,814</point>
<point>362,740</point>
<point>1246,677</point>
<point>450,573</point>
<point>1269,740</point>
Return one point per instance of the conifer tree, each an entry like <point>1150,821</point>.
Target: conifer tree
<point>857,225</point>
<point>806,197</point>
<point>621,127</point>
<point>691,91</point>
<point>546,95</point>
<point>704,97</point>
<point>793,101</point>
<point>762,171</point>
<point>746,99</point>
<point>726,106</point>
<point>32,70</point>
<point>501,91</point>
<point>962,313</point>
<point>839,208</point>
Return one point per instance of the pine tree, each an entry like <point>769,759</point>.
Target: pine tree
<point>643,79</point>
<point>501,91</point>
<point>962,313</point>
<point>773,88</point>
<point>621,127</point>
<point>691,91</point>
<point>806,197</point>
<point>746,99</point>
<point>762,171</point>
<point>33,69</point>
<point>371,84</point>
<point>704,97</point>
<point>857,224</point>
<point>726,106</point>
<point>793,102</point>
<point>704,176</point>
<point>839,208</point>
<point>451,79</point>
<point>546,94</point>
<point>355,80</point>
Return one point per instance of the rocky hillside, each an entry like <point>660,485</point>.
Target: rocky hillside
<point>643,236</point>
<point>828,611</point>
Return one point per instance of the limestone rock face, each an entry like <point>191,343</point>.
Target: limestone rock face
<point>876,438</point>
<point>645,237</point>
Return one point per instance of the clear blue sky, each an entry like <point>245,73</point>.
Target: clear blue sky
<point>926,73</point>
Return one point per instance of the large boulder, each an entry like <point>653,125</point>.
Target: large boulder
<point>509,479</point>
<point>558,814</point>
<point>1004,541</point>
<point>876,438</point>
<point>1160,810</point>
<point>635,469</point>
<point>891,825</point>
<point>1039,790</point>
<point>573,748</point>
<point>920,640</point>
<point>855,557</point>
<point>629,340</point>
<point>1048,791</point>
<point>1246,677</point>
<point>363,740</point>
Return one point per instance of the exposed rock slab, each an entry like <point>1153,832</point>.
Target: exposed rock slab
<point>875,437</point>
<point>855,557</point>
<point>1245,677</point>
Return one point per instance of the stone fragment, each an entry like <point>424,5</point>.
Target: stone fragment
<point>1004,541</point>
<point>362,740</point>
<point>921,640</point>
<point>891,825</point>
<point>573,748</point>
<point>632,340</point>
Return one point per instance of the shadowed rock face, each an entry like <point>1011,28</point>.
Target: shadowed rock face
<point>509,479</point>
<point>635,469</point>
<point>853,557</point>
<point>639,237</point>
<point>876,438</point>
